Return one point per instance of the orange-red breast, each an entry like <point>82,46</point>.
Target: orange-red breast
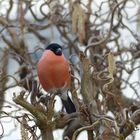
<point>54,74</point>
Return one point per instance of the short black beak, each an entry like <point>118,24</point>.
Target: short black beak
<point>59,51</point>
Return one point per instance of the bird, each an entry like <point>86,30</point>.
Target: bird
<point>54,74</point>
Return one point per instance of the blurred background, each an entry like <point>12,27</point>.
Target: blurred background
<point>93,27</point>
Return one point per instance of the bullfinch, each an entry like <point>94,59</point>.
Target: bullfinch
<point>54,74</point>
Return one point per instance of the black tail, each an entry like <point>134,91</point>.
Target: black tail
<point>68,104</point>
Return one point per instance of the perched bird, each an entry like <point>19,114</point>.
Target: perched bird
<point>54,74</point>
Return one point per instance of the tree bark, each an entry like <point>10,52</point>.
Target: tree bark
<point>47,134</point>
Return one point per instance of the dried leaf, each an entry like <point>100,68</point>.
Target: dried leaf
<point>79,21</point>
<point>111,65</point>
<point>111,70</point>
<point>23,131</point>
<point>21,17</point>
<point>138,19</point>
